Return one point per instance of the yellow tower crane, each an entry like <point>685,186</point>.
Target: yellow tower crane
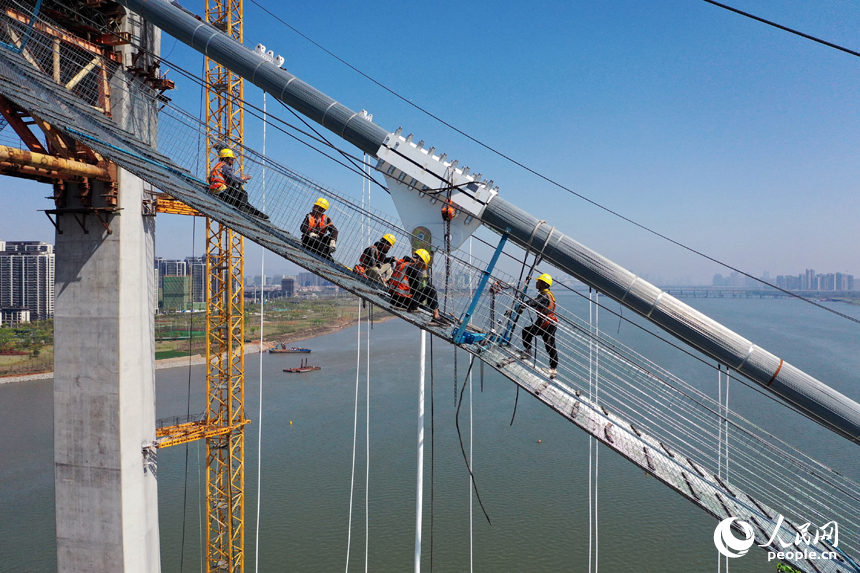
<point>223,426</point>
<point>225,319</point>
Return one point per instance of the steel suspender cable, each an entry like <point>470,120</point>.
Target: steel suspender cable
<point>367,405</point>
<point>419,496</point>
<point>367,446</point>
<point>432,454</point>
<point>354,436</point>
<point>460,436</point>
<point>471,437</point>
<point>262,327</point>
<point>597,447</point>
<point>720,440</point>
<point>726,474</point>
<point>590,437</point>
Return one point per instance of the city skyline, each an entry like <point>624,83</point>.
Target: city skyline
<point>808,280</point>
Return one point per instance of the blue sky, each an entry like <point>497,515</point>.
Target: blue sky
<point>730,136</point>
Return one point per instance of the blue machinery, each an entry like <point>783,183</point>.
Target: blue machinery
<point>460,335</point>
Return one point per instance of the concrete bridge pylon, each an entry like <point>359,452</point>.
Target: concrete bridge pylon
<point>104,370</point>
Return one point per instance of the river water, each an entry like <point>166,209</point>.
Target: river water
<point>535,493</point>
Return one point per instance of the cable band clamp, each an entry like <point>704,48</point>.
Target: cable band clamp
<point>633,282</point>
<point>656,301</point>
<point>747,357</point>
<point>776,373</point>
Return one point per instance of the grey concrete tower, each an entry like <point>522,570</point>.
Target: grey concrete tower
<point>104,371</point>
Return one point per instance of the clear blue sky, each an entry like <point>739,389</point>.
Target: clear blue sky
<point>730,136</point>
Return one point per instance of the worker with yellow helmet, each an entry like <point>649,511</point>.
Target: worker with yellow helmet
<point>545,324</point>
<point>229,186</point>
<point>319,234</point>
<point>374,264</point>
<point>406,287</point>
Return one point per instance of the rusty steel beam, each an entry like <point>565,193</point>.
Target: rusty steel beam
<point>24,158</point>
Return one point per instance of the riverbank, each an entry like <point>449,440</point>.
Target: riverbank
<point>198,359</point>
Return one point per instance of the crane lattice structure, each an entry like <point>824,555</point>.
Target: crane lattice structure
<point>225,319</point>
<point>223,424</point>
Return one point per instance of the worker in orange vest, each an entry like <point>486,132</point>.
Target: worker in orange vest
<point>229,187</point>
<point>374,264</point>
<point>545,325</point>
<point>319,235</point>
<point>405,285</point>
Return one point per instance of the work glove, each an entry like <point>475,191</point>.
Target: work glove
<point>333,245</point>
<point>314,235</point>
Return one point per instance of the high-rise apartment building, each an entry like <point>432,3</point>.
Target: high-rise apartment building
<point>288,286</point>
<point>196,267</point>
<point>176,295</point>
<point>27,277</point>
<point>172,268</point>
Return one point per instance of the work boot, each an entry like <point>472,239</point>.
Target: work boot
<point>525,355</point>
<point>551,372</point>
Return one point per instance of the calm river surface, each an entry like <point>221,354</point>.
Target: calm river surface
<point>535,493</point>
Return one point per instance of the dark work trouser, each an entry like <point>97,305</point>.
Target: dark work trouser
<point>548,335</point>
<point>235,195</point>
<point>424,297</point>
<point>319,246</point>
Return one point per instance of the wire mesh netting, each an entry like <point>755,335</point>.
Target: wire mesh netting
<point>652,417</point>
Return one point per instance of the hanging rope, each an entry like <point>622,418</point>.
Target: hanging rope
<point>354,437</point>
<point>462,447</point>
<point>516,401</point>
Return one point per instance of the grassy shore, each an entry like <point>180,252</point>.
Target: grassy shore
<point>183,334</point>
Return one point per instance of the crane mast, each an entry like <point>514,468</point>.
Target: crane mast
<point>225,319</point>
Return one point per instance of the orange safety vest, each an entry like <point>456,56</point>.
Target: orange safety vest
<point>398,284</point>
<point>550,316</point>
<point>322,223</point>
<point>361,268</point>
<point>448,211</point>
<point>216,179</point>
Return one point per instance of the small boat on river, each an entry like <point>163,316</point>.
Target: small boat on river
<point>282,349</point>
<point>303,368</point>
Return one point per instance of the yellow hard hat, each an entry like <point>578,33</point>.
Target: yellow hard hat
<point>389,238</point>
<point>423,255</point>
<point>322,203</point>
<point>226,152</point>
<point>546,279</point>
